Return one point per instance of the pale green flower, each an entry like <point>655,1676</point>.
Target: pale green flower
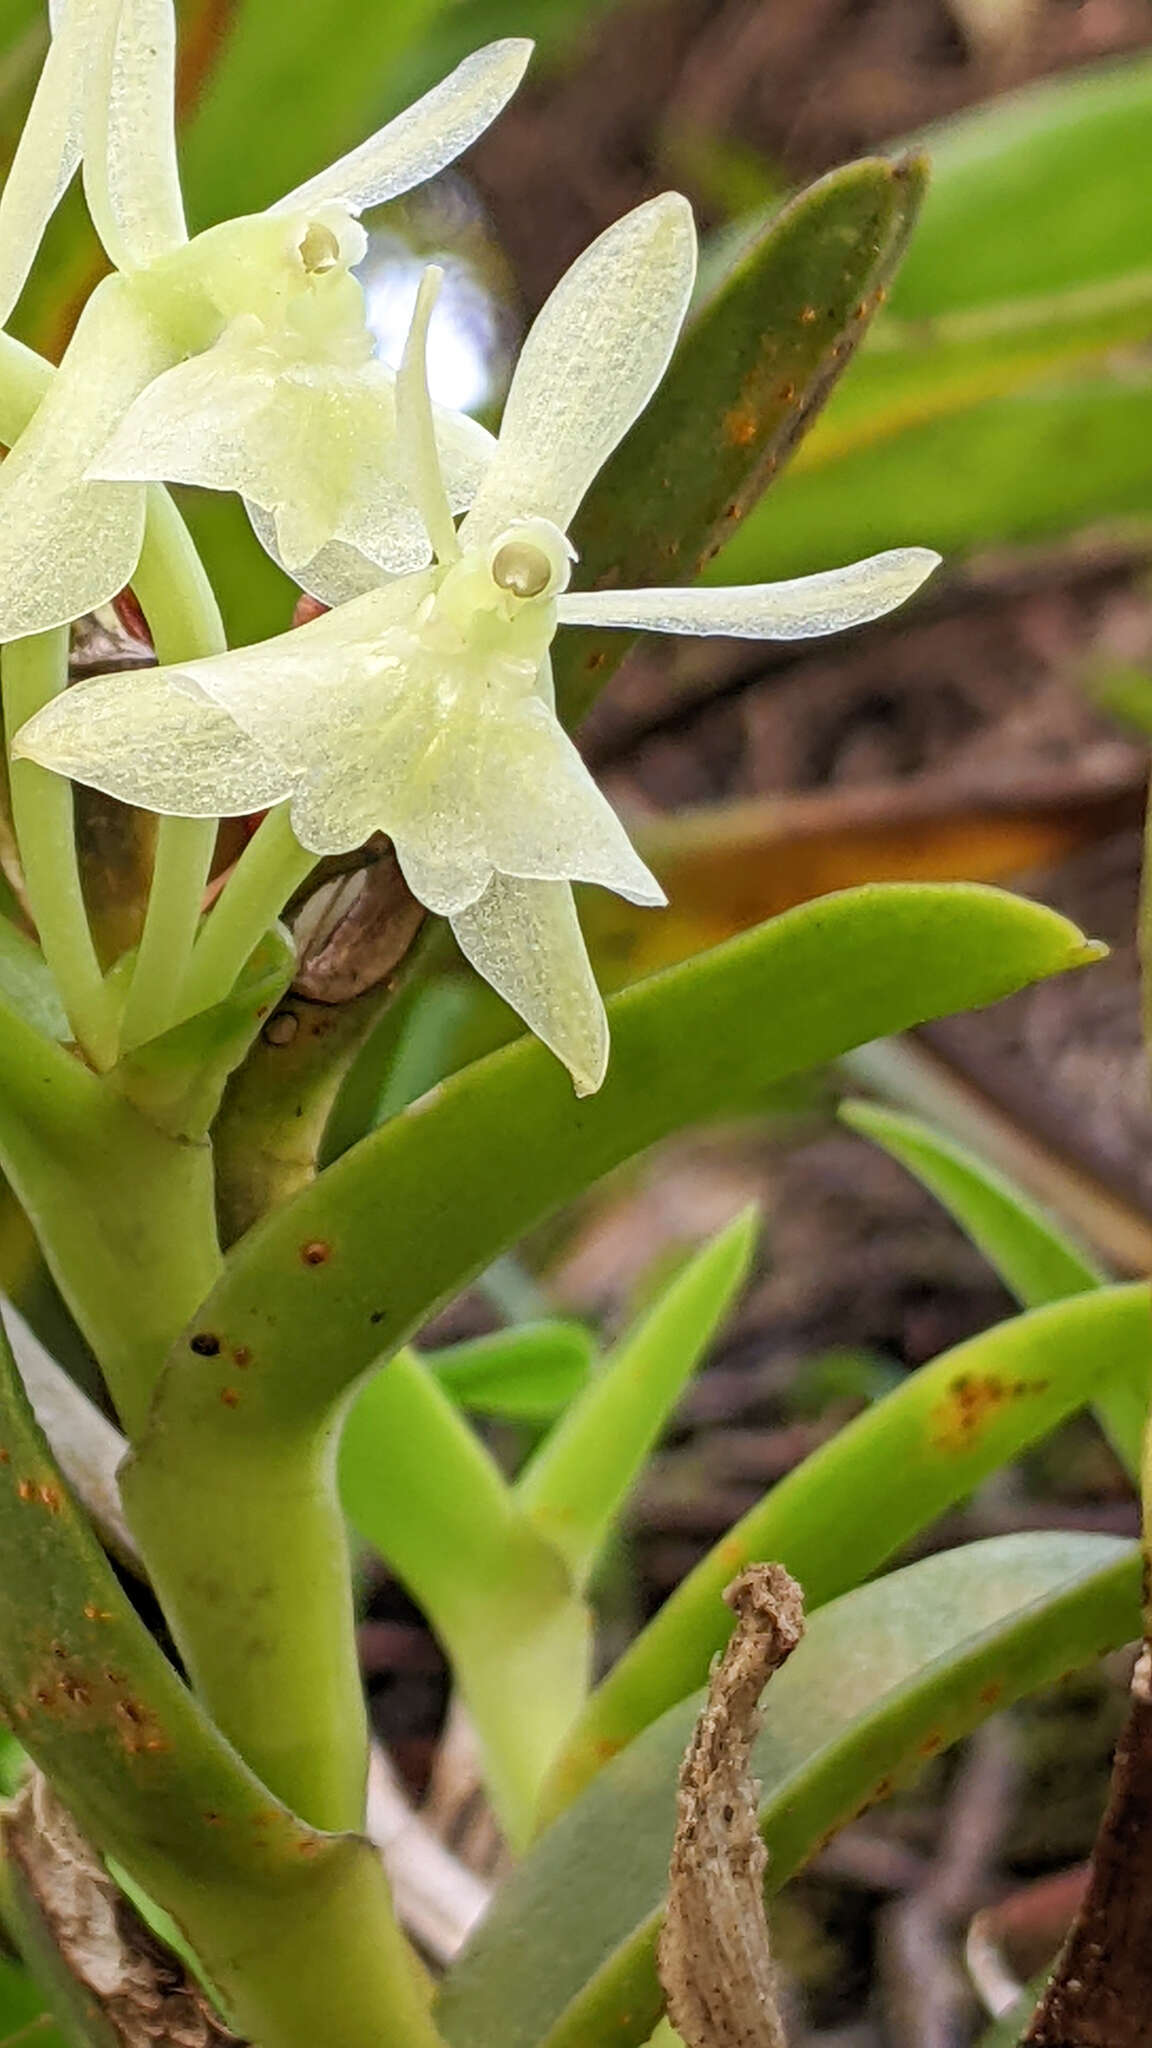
<point>241,360</point>
<point>423,708</point>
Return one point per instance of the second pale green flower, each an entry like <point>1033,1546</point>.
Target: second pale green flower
<point>423,709</point>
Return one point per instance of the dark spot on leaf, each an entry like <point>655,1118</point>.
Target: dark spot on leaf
<point>377,1316</point>
<point>204,1344</point>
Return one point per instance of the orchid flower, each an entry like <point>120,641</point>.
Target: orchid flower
<point>423,708</point>
<point>241,359</point>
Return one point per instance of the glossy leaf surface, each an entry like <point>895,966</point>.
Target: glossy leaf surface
<point>575,1487</point>
<point>759,358</point>
<point>838,1516</point>
<point>342,1274</point>
<point>885,1676</point>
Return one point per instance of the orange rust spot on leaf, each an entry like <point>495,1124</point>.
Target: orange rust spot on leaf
<point>94,1613</point>
<point>883,1789</point>
<point>970,1403</point>
<point>230,1397</point>
<point>932,1743</point>
<point>5,1456</point>
<point>50,1497</point>
<point>27,1489</point>
<point>740,426</point>
<point>242,1356</point>
<point>990,1693</point>
<point>317,1253</point>
<point>808,315</point>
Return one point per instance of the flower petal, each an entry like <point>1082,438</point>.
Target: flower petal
<point>424,138</point>
<point>67,546</point>
<point>41,170</point>
<point>588,368</point>
<point>465,783</point>
<point>288,691</point>
<point>138,739</point>
<point>796,610</point>
<point>337,573</point>
<point>310,444</point>
<point>131,179</point>
<point>544,819</point>
<point>525,939</point>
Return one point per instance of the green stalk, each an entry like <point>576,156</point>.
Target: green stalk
<point>35,671</point>
<point>183,616</point>
<point>271,866</point>
<point>295,1929</point>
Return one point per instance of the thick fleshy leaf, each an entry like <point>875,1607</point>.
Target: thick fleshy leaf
<point>137,738</point>
<point>147,1776</point>
<point>893,1672</point>
<point>838,1517</point>
<point>67,546</point>
<point>424,138</point>
<point>575,1487</point>
<point>1027,267</point>
<point>417,1481</point>
<point>131,178</point>
<point>26,983</point>
<point>528,1373</point>
<point>342,1274</point>
<point>591,362</point>
<point>525,939</point>
<point>757,360</point>
<point>1027,1247</point>
<point>826,603</point>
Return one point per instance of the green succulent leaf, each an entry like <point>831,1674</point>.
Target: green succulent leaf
<point>755,364</point>
<point>417,1481</point>
<point>27,986</point>
<point>178,1079</point>
<point>122,1210</point>
<point>530,1373</point>
<point>147,1776</point>
<point>1027,1247</point>
<point>885,1676</point>
<point>1030,1252</point>
<point>838,1516</point>
<point>574,1489</point>
<point>231,1493</point>
<point>982,409</point>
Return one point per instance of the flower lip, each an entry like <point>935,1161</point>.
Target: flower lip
<point>531,559</point>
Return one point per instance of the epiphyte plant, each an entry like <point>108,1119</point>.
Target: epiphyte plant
<point>161,1097</point>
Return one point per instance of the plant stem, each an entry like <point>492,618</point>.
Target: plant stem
<point>184,619</point>
<point>35,671</point>
<point>271,866</point>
